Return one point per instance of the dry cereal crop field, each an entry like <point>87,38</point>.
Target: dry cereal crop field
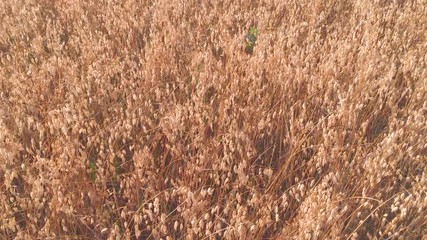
<point>199,119</point>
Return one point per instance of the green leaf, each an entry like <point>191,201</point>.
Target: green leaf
<point>249,48</point>
<point>253,31</point>
<point>251,39</point>
<point>92,167</point>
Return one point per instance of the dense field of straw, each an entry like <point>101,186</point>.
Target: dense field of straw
<point>153,120</point>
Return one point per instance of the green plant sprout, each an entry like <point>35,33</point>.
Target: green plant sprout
<point>92,170</point>
<point>250,39</point>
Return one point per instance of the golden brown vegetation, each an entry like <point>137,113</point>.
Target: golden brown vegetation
<point>148,120</point>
